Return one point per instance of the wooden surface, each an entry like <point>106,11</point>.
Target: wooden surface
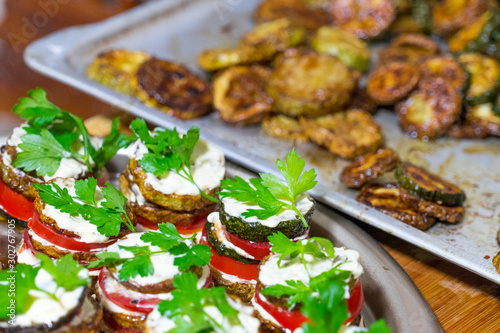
<point>462,301</point>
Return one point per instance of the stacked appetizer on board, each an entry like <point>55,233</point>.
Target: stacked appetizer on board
<point>149,259</point>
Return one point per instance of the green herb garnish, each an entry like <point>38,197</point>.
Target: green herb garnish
<point>269,192</point>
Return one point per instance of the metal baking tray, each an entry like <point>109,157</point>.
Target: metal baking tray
<point>389,292</point>
<point>179,29</point>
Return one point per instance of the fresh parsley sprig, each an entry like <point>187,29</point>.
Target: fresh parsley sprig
<point>169,240</point>
<point>108,216</point>
<point>168,151</point>
<point>269,192</point>
<point>65,272</point>
<point>54,134</point>
<point>189,301</point>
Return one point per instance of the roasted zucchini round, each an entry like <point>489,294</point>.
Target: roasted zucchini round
<point>346,46</point>
<point>483,115</point>
<point>365,18</point>
<point>430,110</point>
<point>447,68</point>
<point>484,74</point>
<point>406,24</point>
<point>220,58</point>
<point>173,89</point>
<point>412,48</point>
<point>468,130</point>
<point>310,84</point>
<point>428,186</point>
<point>392,82</point>
<point>284,127</point>
<point>469,33</point>
<point>347,134</point>
<point>240,96</point>
<point>362,101</point>
<point>449,16</point>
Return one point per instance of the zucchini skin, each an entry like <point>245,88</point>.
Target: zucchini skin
<point>413,187</point>
<point>21,223</point>
<point>221,249</point>
<point>256,232</point>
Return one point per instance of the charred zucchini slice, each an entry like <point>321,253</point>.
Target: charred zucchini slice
<point>484,74</point>
<point>469,33</point>
<point>310,84</point>
<point>428,186</point>
<point>277,35</point>
<point>347,134</point>
<point>369,167</point>
<point>257,232</point>
<point>240,96</point>
<point>220,58</point>
<point>468,130</point>
<point>431,110</point>
<point>284,127</point>
<point>392,82</point>
<point>173,89</point>
<point>483,115</point>
<point>386,198</point>
<point>362,101</point>
<point>366,19</point>
<point>346,46</point>
<point>412,48</point>
<point>449,16</point>
<point>445,67</point>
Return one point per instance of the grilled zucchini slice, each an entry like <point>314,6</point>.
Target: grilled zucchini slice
<point>496,262</point>
<point>240,96</point>
<point>392,82</point>
<point>310,84</point>
<point>115,69</point>
<point>362,101</point>
<point>406,24</point>
<point>483,115</point>
<point>386,198</point>
<point>412,48</point>
<point>220,58</point>
<point>366,19</point>
<point>430,110</point>
<point>351,50</point>
<point>347,134</point>
<point>468,34</point>
<point>428,186</point>
<point>468,130</point>
<point>277,35</point>
<point>449,16</point>
<point>484,74</point>
<point>368,167</point>
<point>447,68</point>
<point>284,127</point>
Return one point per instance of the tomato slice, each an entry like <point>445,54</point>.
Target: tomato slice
<point>183,230</point>
<point>48,233</point>
<point>230,266</point>
<point>15,204</point>
<point>257,250</point>
<point>355,301</point>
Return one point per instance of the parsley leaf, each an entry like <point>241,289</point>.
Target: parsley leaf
<point>167,238</point>
<point>197,255</point>
<point>64,271</point>
<point>37,108</point>
<point>85,190</point>
<point>140,265</point>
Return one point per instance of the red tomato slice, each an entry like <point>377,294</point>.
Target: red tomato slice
<point>230,266</point>
<point>103,178</point>
<point>355,301</point>
<point>48,233</point>
<point>183,230</point>
<point>257,250</point>
<point>15,204</point>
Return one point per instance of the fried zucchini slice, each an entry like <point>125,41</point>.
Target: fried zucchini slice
<point>386,198</point>
<point>449,16</point>
<point>443,213</point>
<point>447,68</point>
<point>348,134</point>
<point>496,262</point>
<point>240,96</point>
<point>412,48</point>
<point>468,131</point>
<point>430,110</point>
<point>362,101</point>
<point>173,89</point>
<point>351,50</point>
<point>297,11</point>
<point>406,24</point>
<point>220,58</point>
<point>115,69</point>
<point>469,33</point>
<point>366,19</point>
<point>484,116</point>
<point>484,74</point>
<point>284,127</point>
<point>368,167</point>
<point>392,82</point>
<point>428,186</point>
<point>310,84</point>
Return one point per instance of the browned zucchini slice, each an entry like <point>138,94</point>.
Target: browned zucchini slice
<point>297,11</point>
<point>347,134</point>
<point>449,16</point>
<point>447,68</point>
<point>468,33</point>
<point>483,115</point>
<point>310,84</point>
<point>405,24</point>
<point>364,18</point>
<point>173,89</point>
<point>431,110</point>
<point>412,48</point>
<point>369,167</point>
<point>428,186</point>
<point>240,96</point>
<point>468,131</point>
<point>392,82</point>
<point>362,101</point>
<point>386,198</point>
<point>484,74</point>
<point>442,213</point>
<point>220,58</point>
<point>284,127</point>
<point>496,262</point>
